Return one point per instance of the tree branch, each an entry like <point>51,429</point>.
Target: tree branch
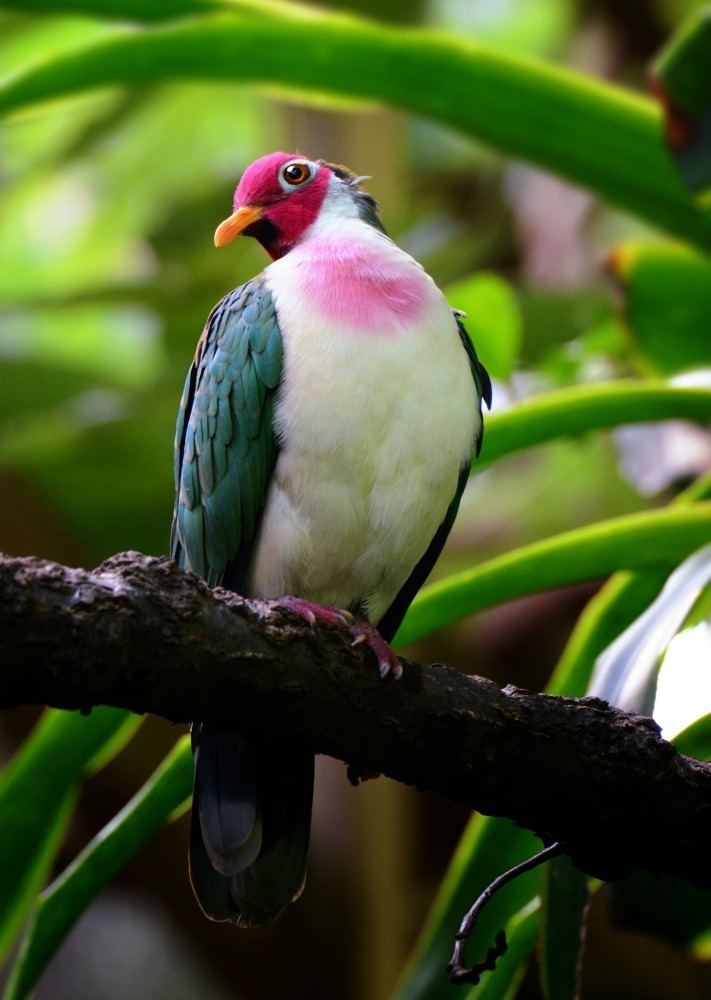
<point>141,634</point>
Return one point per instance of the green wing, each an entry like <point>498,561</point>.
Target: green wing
<point>225,447</point>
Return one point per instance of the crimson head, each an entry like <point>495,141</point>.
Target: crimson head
<point>281,196</point>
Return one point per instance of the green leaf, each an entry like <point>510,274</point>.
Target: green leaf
<point>682,83</point>
<point>493,319</point>
<point>114,740</point>
<point>569,412</point>
<point>666,304</point>
<point>26,865</point>
<point>59,907</point>
<point>38,789</point>
<point>695,740</point>
<point>597,135</point>
<point>564,903</point>
<point>651,540</point>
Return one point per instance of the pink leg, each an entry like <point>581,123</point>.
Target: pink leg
<point>362,631</point>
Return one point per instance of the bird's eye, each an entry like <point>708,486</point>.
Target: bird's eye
<point>296,173</point>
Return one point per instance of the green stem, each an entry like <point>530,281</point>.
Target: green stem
<point>568,412</point>
<point>651,540</point>
<point>598,135</point>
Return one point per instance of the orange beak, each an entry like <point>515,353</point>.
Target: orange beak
<point>236,224</point>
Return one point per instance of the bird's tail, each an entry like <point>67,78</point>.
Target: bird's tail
<point>250,825</point>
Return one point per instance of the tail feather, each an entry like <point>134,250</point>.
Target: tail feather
<point>225,790</point>
<point>277,877</point>
<point>211,889</point>
<point>250,826</point>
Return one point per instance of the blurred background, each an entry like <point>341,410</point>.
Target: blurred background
<point>107,272</point>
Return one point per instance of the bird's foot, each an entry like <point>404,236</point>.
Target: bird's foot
<point>312,612</point>
<point>388,662</point>
<point>361,631</point>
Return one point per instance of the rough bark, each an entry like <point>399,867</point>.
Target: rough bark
<point>141,634</point>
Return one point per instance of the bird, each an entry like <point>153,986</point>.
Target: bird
<point>324,438</point>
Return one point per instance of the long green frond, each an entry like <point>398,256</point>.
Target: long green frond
<point>597,135</point>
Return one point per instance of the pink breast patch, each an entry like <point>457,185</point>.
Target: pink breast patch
<point>351,283</point>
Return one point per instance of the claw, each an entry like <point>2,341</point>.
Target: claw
<point>388,662</point>
<point>391,666</point>
<point>312,612</point>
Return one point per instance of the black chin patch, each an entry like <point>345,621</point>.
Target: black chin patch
<point>265,232</point>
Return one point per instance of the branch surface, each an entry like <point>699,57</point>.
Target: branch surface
<point>141,634</point>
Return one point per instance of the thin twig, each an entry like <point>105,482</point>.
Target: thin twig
<point>458,973</point>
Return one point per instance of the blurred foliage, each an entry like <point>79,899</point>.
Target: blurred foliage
<point>665,289</point>
<point>683,85</point>
<point>493,320</point>
<point>110,198</point>
<point>594,134</point>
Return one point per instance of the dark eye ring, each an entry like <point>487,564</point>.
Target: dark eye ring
<point>296,173</point>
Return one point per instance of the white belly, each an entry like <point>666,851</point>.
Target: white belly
<point>373,433</point>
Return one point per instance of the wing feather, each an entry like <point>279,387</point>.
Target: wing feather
<point>225,442</point>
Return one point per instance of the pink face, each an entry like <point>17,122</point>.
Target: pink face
<point>289,191</point>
